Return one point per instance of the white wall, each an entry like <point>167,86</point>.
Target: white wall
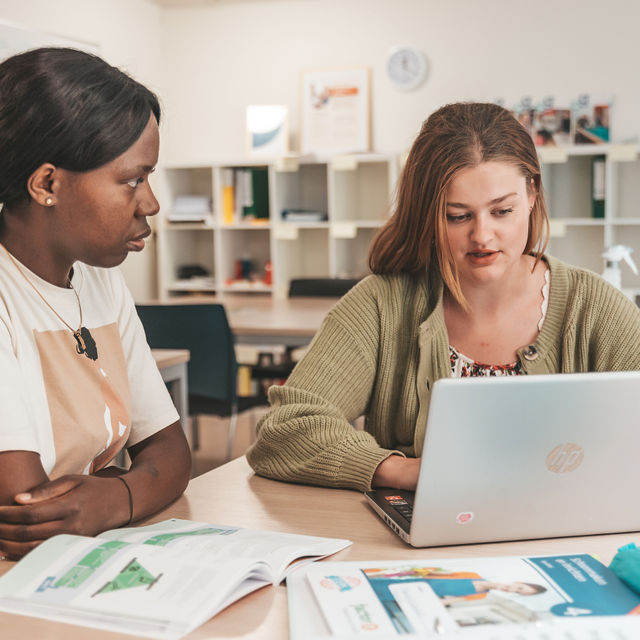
<point>209,60</point>
<point>226,54</point>
<point>129,35</point>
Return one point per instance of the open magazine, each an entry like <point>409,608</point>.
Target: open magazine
<point>448,596</point>
<point>158,581</point>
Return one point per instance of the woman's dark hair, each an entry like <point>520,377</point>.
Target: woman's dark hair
<point>456,136</point>
<point>66,107</point>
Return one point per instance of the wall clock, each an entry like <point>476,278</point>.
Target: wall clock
<point>407,67</point>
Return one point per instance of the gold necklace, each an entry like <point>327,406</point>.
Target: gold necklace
<point>84,340</point>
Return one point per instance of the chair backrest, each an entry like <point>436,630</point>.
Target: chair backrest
<point>321,287</point>
<point>205,331</point>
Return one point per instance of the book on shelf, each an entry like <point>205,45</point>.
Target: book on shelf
<point>157,581</point>
<point>190,208</point>
<point>418,597</point>
<point>250,195</point>
<point>304,215</point>
<point>228,196</point>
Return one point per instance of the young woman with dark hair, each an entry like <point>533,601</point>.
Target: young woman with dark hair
<point>78,383</point>
<point>461,287</point>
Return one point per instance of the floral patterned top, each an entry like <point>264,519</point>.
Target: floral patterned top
<point>464,367</point>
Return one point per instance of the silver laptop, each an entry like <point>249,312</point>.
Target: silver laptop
<point>523,457</point>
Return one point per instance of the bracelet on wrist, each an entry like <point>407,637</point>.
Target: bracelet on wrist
<point>130,500</point>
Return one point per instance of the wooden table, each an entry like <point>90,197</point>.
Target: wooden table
<point>260,319</point>
<point>172,364</point>
<point>233,495</point>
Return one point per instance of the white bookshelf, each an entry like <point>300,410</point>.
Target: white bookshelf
<point>356,192</point>
<point>576,236</point>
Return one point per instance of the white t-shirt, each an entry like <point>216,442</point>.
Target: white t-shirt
<point>77,413</point>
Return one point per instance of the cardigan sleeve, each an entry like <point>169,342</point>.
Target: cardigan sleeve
<point>605,325</point>
<point>617,333</point>
<point>307,435</point>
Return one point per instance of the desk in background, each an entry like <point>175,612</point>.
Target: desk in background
<point>233,495</point>
<point>258,319</point>
<point>172,364</point>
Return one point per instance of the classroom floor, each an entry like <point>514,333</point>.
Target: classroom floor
<point>213,439</point>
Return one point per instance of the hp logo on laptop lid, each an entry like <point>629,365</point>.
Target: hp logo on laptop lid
<point>565,458</point>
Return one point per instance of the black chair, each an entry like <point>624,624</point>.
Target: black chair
<point>321,287</point>
<point>212,368</point>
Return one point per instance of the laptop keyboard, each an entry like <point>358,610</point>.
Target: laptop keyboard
<point>401,506</point>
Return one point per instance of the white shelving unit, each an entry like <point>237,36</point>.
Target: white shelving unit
<point>576,236</point>
<point>353,191</point>
<point>356,191</point>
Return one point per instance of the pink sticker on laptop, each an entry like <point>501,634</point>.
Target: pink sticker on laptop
<point>465,517</point>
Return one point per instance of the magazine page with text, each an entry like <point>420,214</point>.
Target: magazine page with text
<point>409,597</point>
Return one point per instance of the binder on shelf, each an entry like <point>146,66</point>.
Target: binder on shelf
<point>228,196</point>
<point>243,193</point>
<point>598,189</point>
<point>251,194</point>
<point>260,188</point>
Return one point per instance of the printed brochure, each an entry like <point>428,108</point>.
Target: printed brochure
<point>158,581</point>
<point>445,596</point>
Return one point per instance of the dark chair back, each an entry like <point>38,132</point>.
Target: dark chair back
<point>205,331</point>
<point>321,287</point>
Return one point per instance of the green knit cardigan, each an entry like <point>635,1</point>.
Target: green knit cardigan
<point>381,348</point>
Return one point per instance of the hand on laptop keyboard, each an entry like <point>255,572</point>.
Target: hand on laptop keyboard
<point>398,473</point>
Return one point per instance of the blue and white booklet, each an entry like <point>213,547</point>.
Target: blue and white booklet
<point>159,581</point>
<point>563,596</point>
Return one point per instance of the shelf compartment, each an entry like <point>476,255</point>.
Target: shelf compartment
<point>189,181</point>
<point>307,256</point>
<point>351,254</point>
<point>238,244</point>
<point>568,188</point>
<point>301,190</point>
<point>626,189</point>
<point>189,247</point>
<point>361,193</point>
<point>581,246</point>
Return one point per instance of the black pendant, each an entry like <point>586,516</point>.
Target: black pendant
<point>85,343</point>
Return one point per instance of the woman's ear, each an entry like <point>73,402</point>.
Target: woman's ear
<point>40,185</point>
<point>532,194</point>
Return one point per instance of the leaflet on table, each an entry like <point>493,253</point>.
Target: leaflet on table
<point>159,581</point>
<point>282,552</point>
<point>397,598</point>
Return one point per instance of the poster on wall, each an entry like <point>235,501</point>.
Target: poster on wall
<point>335,111</point>
<point>15,38</point>
<point>267,130</point>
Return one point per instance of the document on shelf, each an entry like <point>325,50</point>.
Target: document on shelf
<point>159,581</point>
<point>476,598</point>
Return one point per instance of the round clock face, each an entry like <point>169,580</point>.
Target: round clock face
<point>406,67</point>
